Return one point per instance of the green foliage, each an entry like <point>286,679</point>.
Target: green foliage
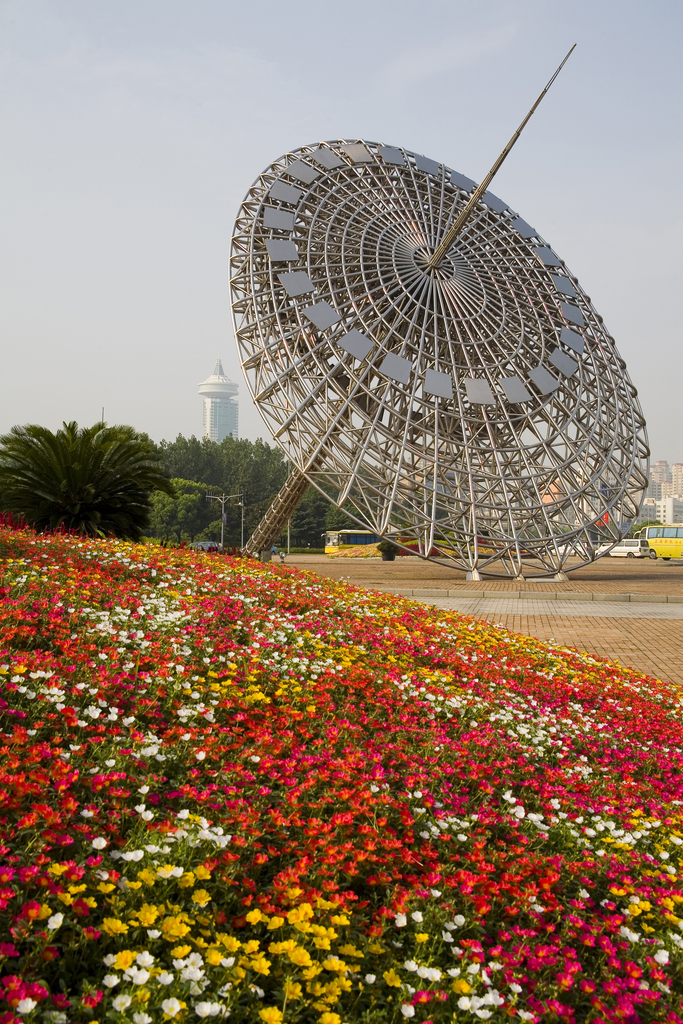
<point>181,515</point>
<point>387,547</point>
<point>96,480</point>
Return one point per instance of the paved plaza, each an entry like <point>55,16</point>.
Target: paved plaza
<point>628,610</point>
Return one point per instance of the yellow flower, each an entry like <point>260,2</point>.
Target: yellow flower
<point>181,951</point>
<point>124,959</point>
<point>173,928</point>
<point>147,876</point>
<point>202,872</point>
<point>275,922</point>
<point>251,946</point>
<point>105,887</point>
<point>214,957</point>
<point>392,978</point>
<point>254,916</point>
<point>334,964</point>
<point>301,913</point>
<point>112,926</point>
<point>330,1018</point>
<point>300,956</point>
<point>310,972</point>
<point>339,919</point>
<point>282,947</point>
<point>260,965</point>
<point>349,950</point>
<point>231,943</point>
<point>187,880</point>
<point>270,1014</point>
<point>421,936</point>
<point>147,914</point>
<point>66,898</point>
<point>322,943</point>
<point>46,910</point>
<point>292,989</point>
<point>460,986</point>
<point>201,896</point>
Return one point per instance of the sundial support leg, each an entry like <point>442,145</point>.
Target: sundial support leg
<point>270,527</point>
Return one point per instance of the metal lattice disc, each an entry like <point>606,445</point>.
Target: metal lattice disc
<point>480,410</point>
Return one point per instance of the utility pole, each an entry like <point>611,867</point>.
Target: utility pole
<point>224,499</point>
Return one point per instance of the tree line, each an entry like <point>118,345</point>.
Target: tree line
<point>114,480</point>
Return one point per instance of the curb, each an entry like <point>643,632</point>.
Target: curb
<point>531,595</point>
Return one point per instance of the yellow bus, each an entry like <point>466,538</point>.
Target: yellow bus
<point>336,540</point>
<point>664,541</point>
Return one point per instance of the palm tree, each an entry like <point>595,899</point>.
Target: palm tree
<point>96,480</point>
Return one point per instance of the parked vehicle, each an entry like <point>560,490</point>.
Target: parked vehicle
<point>663,541</point>
<point>627,548</point>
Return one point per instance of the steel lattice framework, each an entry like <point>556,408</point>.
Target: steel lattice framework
<point>479,410</point>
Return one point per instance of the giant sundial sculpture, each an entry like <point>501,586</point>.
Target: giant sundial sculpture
<point>423,357</point>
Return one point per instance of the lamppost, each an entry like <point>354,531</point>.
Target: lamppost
<point>241,505</point>
<point>223,499</point>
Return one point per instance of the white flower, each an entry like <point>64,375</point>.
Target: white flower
<point>525,1015</point>
<point>664,855</point>
<point>145,959</point>
<point>153,933</point>
<point>417,916</point>
<point>164,978</point>
<point>171,1006</point>
<point>407,1010</point>
<point>182,814</point>
<point>140,808</point>
<point>454,972</point>
<point>207,1009</point>
<point>473,969</point>
<point>26,1005</point>
<point>137,975</point>
<point>143,790</point>
<point>255,758</point>
<point>121,1003</point>
<point>519,811</point>
<point>516,989</point>
<point>662,957</point>
<point>192,974</point>
<point>227,961</point>
<point>484,1014</point>
<point>109,960</point>
<point>110,980</point>
<point>147,815</point>
<point>423,972</point>
<point>370,979</point>
<point>99,843</point>
<point>400,920</point>
<point>463,1003</point>
<point>54,922</point>
<point>410,965</point>
<point>200,755</point>
<point>142,1018</point>
<point>446,936</point>
<point>85,813</point>
<point>583,894</point>
<point>435,892</point>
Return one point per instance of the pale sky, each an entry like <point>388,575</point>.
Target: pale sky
<point>131,130</point>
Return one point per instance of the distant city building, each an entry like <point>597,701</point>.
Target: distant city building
<point>221,411</point>
<point>648,511</point>
<point>654,490</point>
<point>669,510</point>
<point>677,477</point>
<point>660,472</point>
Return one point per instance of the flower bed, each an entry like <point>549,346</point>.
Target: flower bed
<point>230,788</point>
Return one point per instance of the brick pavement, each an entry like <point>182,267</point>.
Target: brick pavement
<point>647,637</point>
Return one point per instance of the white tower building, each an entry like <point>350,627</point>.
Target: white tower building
<point>221,411</point>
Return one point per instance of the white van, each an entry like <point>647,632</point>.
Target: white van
<point>626,549</point>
